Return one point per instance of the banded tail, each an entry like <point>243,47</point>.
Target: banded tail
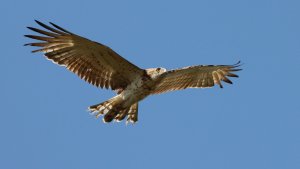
<point>111,111</point>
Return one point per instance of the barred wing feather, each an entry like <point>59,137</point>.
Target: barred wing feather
<point>91,61</point>
<point>201,76</point>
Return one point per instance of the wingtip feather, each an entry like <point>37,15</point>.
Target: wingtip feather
<point>234,70</point>
<point>38,22</point>
<point>227,80</point>
<point>232,75</point>
<point>60,28</point>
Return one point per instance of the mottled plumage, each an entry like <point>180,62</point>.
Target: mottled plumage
<point>101,66</point>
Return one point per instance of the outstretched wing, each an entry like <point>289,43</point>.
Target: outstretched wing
<point>91,61</point>
<point>194,77</point>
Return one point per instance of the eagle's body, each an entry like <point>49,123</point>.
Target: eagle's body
<point>136,91</point>
<point>102,67</point>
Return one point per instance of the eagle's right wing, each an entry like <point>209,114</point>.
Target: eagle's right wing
<point>201,76</point>
<point>91,61</point>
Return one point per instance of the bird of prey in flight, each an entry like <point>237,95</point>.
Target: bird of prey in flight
<point>100,66</point>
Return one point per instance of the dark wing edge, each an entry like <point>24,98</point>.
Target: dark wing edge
<point>202,76</point>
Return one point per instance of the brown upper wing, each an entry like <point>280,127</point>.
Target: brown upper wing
<point>195,77</point>
<point>91,61</point>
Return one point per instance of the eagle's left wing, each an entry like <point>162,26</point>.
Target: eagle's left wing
<point>91,61</point>
<point>194,77</point>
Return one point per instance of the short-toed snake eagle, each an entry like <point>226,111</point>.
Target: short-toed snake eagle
<point>104,68</point>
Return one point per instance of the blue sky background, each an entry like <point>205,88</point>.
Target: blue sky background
<point>253,123</point>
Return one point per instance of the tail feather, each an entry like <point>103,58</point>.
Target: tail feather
<point>133,113</point>
<point>105,107</point>
<point>111,111</point>
<point>121,116</point>
<point>109,116</point>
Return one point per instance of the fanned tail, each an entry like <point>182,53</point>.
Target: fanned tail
<point>131,113</point>
<point>108,108</point>
<point>111,111</point>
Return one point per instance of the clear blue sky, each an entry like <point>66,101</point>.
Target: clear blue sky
<point>253,123</point>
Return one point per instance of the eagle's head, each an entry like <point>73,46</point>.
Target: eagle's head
<point>155,72</point>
